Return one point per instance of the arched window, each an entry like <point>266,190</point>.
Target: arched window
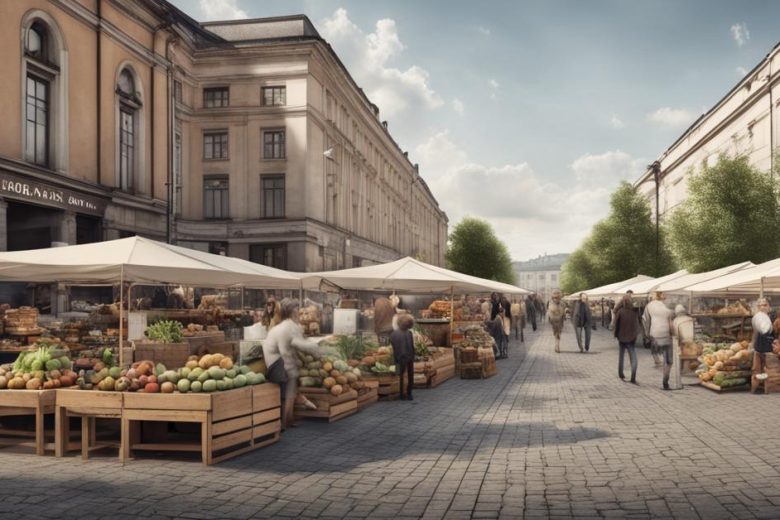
<point>128,132</point>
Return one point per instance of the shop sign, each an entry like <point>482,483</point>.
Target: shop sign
<point>14,187</point>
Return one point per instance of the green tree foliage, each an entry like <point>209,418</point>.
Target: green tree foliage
<point>475,249</point>
<point>619,247</point>
<point>732,215</point>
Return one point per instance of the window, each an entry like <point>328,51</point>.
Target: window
<point>273,196</point>
<point>274,96</point>
<point>35,44</point>
<point>215,197</point>
<point>273,144</point>
<point>216,97</point>
<point>37,121</point>
<point>129,104</point>
<point>177,94</point>
<point>215,145</point>
<point>272,255</point>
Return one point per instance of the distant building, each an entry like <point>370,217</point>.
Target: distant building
<point>541,274</point>
<point>743,122</point>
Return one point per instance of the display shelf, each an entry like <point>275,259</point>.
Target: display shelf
<point>36,403</point>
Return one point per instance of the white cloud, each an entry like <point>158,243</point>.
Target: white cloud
<point>368,58</point>
<point>221,10</point>
<point>742,71</point>
<point>484,30</point>
<point>740,33</point>
<point>494,84</point>
<point>674,117</point>
<point>457,106</point>
<point>616,122</point>
<point>529,213</point>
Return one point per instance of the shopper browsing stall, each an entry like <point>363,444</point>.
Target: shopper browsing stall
<point>763,336</point>
<point>402,342</point>
<point>657,322</point>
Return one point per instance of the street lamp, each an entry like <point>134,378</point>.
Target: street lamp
<point>656,169</point>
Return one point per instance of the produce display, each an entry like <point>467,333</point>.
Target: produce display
<point>23,320</point>
<point>335,375</point>
<point>45,368</point>
<point>468,309</point>
<point>740,308</point>
<point>165,331</point>
<point>475,336</point>
<point>422,344</point>
<point>437,309</point>
<point>725,365</point>
<point>310,318</point>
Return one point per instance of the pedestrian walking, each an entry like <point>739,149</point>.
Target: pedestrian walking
<point>682,334</point>
<point>626,327</point>
<point>556,311</point>
<point>402,342</point>
<point>495,301</point>
<point>530,309</point>
<point>583,321</point>
<point>517,310</point>
<point>763,336</point>
<point>506,316</point>
<point>657,323</point>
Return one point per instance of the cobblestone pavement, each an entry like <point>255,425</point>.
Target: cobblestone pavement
<point>552,435</point>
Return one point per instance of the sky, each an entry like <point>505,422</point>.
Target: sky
<point>529,113</point>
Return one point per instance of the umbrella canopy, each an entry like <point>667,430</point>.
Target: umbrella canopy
<point>406,274</point>
<point>645,287</point>
<point>754,279</point>
<point>138,259</point>
<point>680,284</point>
<point>609,289</point>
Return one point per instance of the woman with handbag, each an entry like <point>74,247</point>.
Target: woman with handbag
<point>280,350</point>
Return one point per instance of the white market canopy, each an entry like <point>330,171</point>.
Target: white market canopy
<point>609,289</point>
<point>140,260</point>
<point>645,287</point>
<point>755,279</point>
<point>678,285</point>
<point>405,274</point>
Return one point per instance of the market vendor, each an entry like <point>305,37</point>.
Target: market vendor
<point>280,351</point>
<point>763,336</point>
<point>272,315</point>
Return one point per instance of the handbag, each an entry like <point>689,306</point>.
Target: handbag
<point>276,372</point>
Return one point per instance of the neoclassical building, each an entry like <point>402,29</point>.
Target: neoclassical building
<point>248,138</point>
<point>743,122</point>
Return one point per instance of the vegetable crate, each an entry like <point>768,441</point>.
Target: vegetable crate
<point>389,387</point>
<point>36,403</point>
<point>772,383</point>
<point>231,422</point>
<point>368,395</point>
<point>439,367</point>
<point>89,405</point>
<point>169,354</point>
<point>329,406</point>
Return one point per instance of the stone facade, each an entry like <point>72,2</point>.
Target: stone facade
<point>254,130</point>
<point>743,122</point>
<point>541,274</point>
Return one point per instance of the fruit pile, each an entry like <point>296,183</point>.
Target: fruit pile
<point>335,375</point>
<point>45,368</point>
<point>209,373</point>
<point>725,364</point>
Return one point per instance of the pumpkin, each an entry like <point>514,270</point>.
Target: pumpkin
<point>342,380</point>
<point>329,382</point>
<point>336,390</point>
<point>369,360</point>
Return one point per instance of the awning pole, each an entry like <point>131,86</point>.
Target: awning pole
<point>762,287</point>
<point>121,313</point>
<point>452,311</point>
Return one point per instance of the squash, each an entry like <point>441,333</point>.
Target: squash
<point>336,390</point>
<point>328,383</point>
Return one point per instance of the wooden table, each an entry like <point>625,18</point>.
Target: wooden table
<point>26,402</point>
<point>89,405</point>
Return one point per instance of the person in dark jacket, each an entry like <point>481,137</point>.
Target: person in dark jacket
<point>402,342</point>
<point>583,319</point>
<point>530,309</point>
<point>495,301</point>
<point>626,324</point>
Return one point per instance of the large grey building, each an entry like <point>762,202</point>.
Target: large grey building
<point>541,274</point>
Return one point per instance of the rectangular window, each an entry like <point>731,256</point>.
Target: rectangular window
<point>273,195</point>
<point>274,96</point>
<point>177,159</point>
<point>272,255</point>
<point>215,145</point>
<point>216,97</point>
<point>273,144</point>
<point>126,147</point>
<point>177,94</point>
<point>37,124</point>
<point>215,196</point>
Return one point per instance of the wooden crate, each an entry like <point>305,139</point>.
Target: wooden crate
<point>471,370</point>
<point>172,355</point>
<point>368,395</point>
<point>232,422</point>
<point>36,403</point>
<point>89,405</point>
<point>713,386</point>
<point>389,386</point>
<point>329,406</point>
<point>200,342</point>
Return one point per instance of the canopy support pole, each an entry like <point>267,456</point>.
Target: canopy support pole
<point>762,287</point>
<point>452,311</point>
<point>121,313</point>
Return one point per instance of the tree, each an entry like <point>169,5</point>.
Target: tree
<point>475,249</point>
<point>619,246</point>
<point>730,216</point>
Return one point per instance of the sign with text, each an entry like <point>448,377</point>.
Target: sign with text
<point>17,187</point>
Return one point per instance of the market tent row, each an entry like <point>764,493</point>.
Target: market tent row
<point>610,289</point>
<point>138,260</point>
<point>681,284</point>
<point>754,279</point>
<point>643,288</point>
<point>405,274</point>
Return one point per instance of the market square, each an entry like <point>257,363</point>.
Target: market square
<point>352,259</point>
